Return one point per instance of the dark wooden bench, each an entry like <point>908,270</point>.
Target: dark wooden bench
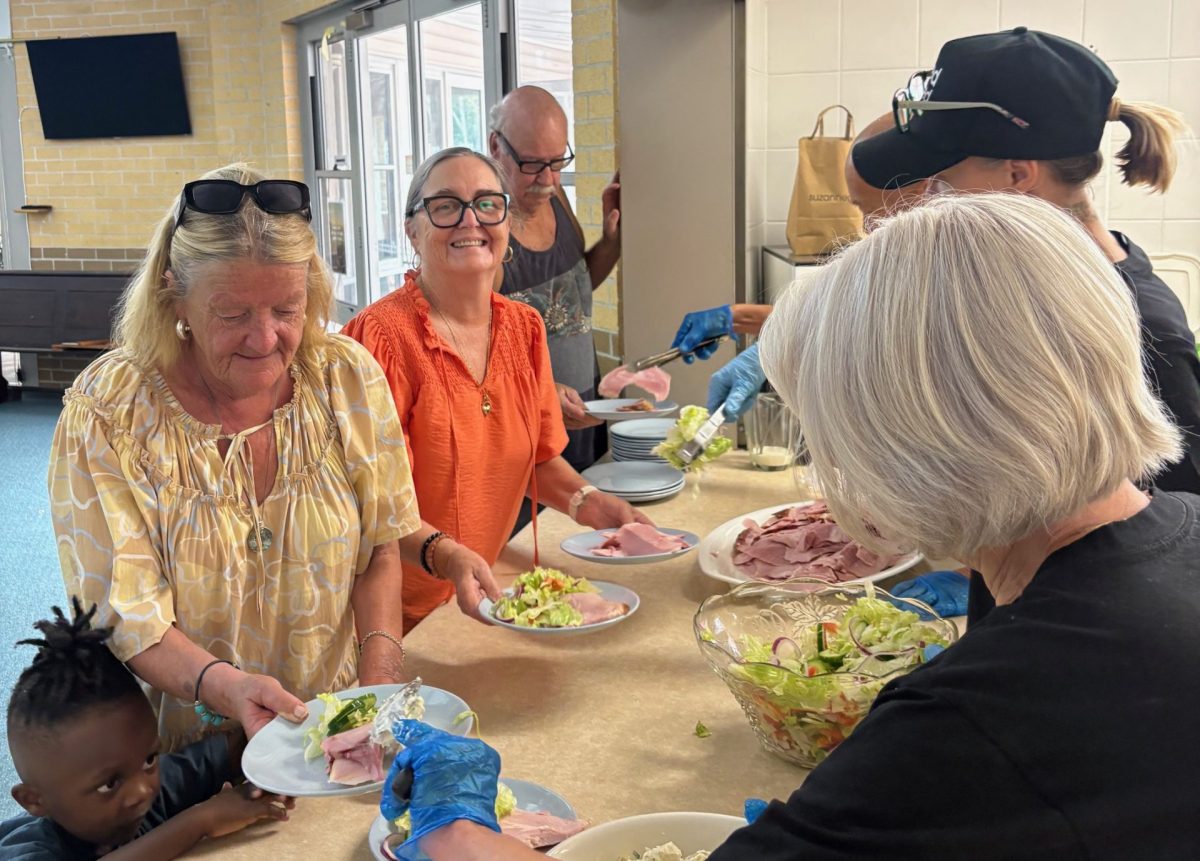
<point>39,310</point>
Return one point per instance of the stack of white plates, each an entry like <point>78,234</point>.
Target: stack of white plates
<point>636,439</point>
<point>636,482</point>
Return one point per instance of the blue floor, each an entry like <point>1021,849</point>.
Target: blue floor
<point>30,582</point>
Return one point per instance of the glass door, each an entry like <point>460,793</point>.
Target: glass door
<point>385,88</point>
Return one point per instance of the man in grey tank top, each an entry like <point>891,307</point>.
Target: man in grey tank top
<point>550,268</point>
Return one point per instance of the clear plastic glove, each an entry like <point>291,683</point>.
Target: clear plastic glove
<point>944,591</point>
<point>701,326</point>
<point>736,385</point>
<point>452,778</point>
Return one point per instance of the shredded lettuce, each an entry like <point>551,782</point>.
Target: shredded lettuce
<point>536,600</point>
<point>685,428</point>
<point>313,736</point>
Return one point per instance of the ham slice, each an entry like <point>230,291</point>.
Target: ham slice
<point>805,542</point>
<point>537,829</point>
<point>594,608</point>
<point>656,381</point>
<point>352,758</point>
<point>638,539</point>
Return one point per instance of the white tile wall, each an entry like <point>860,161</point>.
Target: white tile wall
<point>857,52</point>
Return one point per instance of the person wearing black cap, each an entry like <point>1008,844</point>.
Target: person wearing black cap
<point>1024,110</point>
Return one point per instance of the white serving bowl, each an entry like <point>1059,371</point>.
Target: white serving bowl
<point>691,832</point>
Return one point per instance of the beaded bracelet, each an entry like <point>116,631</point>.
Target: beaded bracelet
<point>386,636</point>
<point>425,550</point>
<point>433,555</point>
<point>205,713</point>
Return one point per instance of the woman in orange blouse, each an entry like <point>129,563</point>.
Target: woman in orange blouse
<point>470,374</point>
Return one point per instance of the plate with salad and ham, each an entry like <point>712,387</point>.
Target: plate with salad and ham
<point>800,539</point>
<point>547,601</point>
<point>631,544</point>
<point>527,812</point>
<point>332,751</point>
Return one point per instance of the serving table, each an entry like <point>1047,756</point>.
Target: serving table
<point>606,719</point>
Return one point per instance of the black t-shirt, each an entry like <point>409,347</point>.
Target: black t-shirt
<point>193,775</point>
<point>1062,726</point>
<point>1170,351</point>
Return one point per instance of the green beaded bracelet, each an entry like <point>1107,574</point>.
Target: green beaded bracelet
<point>206,714</point>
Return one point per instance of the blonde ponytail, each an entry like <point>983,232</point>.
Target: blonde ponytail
<point>1149,158</point>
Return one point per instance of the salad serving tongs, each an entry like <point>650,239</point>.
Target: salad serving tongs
<point>405,703</point>
<point>694,447</point>
<point>659,359</point>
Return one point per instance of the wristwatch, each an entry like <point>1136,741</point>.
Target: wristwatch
<point>577,500</point>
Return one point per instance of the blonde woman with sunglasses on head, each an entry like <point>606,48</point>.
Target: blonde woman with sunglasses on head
<point>230,483</point>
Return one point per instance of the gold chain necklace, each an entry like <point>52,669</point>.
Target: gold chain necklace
<point>486,401</point>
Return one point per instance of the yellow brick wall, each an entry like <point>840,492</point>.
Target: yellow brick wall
<point>239,65</point>
<point>593,30</point>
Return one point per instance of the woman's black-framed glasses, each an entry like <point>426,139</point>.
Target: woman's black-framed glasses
<point>446,210</point>
<point>532,166</point>
<point>224,197</point>
<point>912,100</point>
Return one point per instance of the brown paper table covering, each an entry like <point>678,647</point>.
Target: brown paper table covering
<point>606,719</point>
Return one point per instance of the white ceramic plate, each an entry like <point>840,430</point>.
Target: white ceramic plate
<point>609,410</point>
<point>716,550</point>
<point>642,429</point>
<point>274,758</point>
<point>633,477</point>
<point>608,591</point>
<point>581,546</point>
<point>691,832</point>
<point>530,796</point>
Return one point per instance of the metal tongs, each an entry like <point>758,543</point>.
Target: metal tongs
<point>696,445</point>
<point>405,703</point>
<point>659,359</point>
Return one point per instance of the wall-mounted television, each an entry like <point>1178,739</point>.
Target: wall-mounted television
<point>110,86</point>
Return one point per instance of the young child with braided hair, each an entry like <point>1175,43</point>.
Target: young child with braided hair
<point>84,741</point>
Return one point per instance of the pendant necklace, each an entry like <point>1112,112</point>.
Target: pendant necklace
<point>486,401</point>
<point>260,537</point>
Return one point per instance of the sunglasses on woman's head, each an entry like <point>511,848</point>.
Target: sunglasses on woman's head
<point>912,100</point>
<point>224,197</point>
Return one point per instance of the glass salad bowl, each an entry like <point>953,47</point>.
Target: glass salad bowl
<point>806,659</point>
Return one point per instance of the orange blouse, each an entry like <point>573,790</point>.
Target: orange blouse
<point>471,470</point>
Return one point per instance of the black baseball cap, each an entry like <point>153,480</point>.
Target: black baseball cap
<point>1058,87</point>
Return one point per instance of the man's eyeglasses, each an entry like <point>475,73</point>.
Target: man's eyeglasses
<point>446,210</point>
<point>224,197</point>
<point>533,167</point>
<point>912,100</point>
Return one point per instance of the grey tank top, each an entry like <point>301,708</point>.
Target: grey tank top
<point>556,282</point>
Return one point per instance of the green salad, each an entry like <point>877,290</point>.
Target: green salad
<point>338,716</point>
<point>689,421</point>
<point>506,803</point>
<point>536,600</point>
<point>811,693</point>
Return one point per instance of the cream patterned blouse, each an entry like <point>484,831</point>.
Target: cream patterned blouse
<point>153,527</point>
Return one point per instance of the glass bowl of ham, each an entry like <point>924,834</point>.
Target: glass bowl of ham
<point>805,660</point>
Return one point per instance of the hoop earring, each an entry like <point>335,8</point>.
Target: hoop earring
<point>416,260</point>
<point>508,255</point>
<point>182,329</point>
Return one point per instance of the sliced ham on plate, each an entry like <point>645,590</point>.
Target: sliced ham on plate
<point>352,758</point>
<point>656,381</point>
<point>594,608</point>
<point>537,829</point>
<point>804,541</point>
<point>638,539</point>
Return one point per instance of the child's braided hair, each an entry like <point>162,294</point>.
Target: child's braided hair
<point>74,669</point>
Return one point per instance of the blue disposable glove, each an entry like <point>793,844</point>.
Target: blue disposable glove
<point>754,808</point>
<point>944,591</point>
<point>736,385</point>
<point>701,326</point>
<point>452,778</point>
